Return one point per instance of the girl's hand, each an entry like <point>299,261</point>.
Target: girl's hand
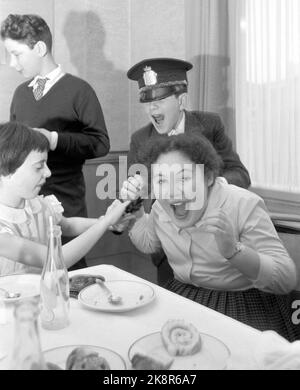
<point>115,211</point>
<point>131,188</point>
<point>219,224</point>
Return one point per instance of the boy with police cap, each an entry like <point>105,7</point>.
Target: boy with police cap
<point>163,86</point>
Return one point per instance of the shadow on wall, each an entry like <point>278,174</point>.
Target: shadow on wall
<point>209,88</point>
<point>85,36</point>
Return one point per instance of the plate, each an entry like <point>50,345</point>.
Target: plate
<point>59,356</point>
<point>134,295</point>
<point>213,354</point>
<point>2,355</point>
<point>27,284</point>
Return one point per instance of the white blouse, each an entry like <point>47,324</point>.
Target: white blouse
<point>193,253</point>
<point>30,222</point>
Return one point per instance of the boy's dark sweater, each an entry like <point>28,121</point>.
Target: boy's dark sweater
<point>71,108</point>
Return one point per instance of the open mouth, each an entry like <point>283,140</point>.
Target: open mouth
<point>158,119</point>
<point>179,209</point>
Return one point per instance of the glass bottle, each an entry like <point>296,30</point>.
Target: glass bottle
<point>27,352</point>
<point>54,285</point>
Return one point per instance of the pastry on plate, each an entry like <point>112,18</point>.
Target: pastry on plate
<point>53,366</point>
<point>180,338</point>
<point>83,358</point>
<point>142,361</point>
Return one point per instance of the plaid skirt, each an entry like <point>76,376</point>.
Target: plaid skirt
<point>261,310</point>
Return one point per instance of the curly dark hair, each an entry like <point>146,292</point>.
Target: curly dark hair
<point>196,147</point>
<point>16,142</point>
<point>28,29</point>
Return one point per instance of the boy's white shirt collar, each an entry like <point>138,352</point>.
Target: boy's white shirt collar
<point>52,76</point>
<point>181,125</point>
<point>180,128</point>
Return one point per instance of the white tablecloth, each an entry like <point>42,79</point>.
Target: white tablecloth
<point>117,331</point>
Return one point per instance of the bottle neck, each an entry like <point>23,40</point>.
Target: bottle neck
<point>54,284</point>
<point>55,238</point>
<point>54,255</point>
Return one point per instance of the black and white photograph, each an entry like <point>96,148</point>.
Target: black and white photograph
<point>149,188</point>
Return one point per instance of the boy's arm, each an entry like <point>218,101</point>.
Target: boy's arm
<point>93,140</point>
<point>234,170</point>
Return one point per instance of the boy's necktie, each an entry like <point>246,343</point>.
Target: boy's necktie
<point>173,132</point>
<point>38,91</point>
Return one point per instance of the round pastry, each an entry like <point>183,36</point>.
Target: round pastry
<point>180,338</point>
<point>52,366</point>
<point>152,362</point>
<point>83,358</point>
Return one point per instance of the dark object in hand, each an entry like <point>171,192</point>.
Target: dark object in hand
<point>134,205</point>
<point>117,232</point>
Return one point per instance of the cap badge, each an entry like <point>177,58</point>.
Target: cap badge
<point>150,77</point>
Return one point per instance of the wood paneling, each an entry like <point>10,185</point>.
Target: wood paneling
<point>292,244</point>
<point>280,202</point>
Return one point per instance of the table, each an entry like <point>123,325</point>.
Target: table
<point>117,331</point>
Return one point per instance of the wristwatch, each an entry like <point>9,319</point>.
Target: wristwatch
<point>238,247</point>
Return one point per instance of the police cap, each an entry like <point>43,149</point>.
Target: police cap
<point>159,78</point>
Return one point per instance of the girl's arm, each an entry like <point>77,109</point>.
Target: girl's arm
<point>22,250</point>
<point>277,271</point>
<point>34,254</point>
<point>74,226</point>
<point>142,232</point>
<point>143,235</point>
